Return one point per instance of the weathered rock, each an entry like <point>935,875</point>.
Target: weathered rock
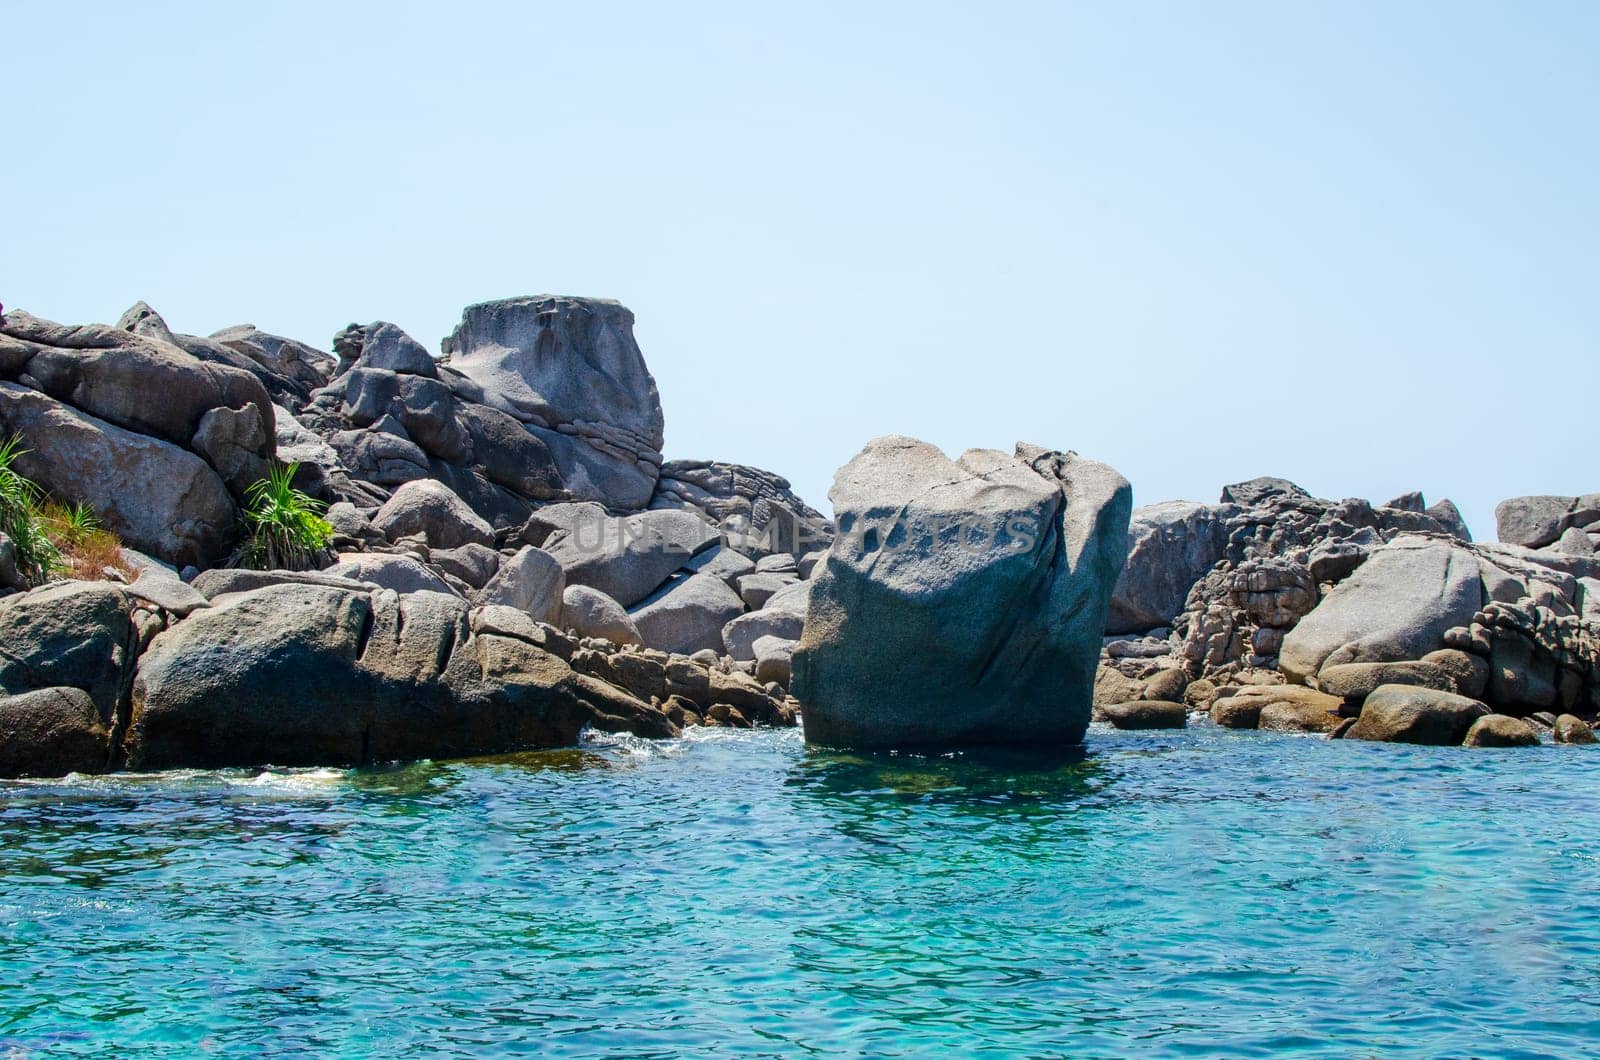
<point>69,634</point>
<point>1406,714</point>
<point>1296,711</point>
<point>50,732</point>
<point>628,558</point>
<point>1263,490</point>
<point>774,659</point>
<point>1396,606</point>
<point>429,508</point>
<point>140,384</point>
<point>756,510</point>
<point>1448,516</point>
<point>962,601</point>
<point>402,574</point>
<point>594,614</point>
<point>1469,672</point>
<point>474,564</point>
<point>1574,542</point>
<point>571,370</point>
<point>1500,730</point>
<point>313,675</point>
<point>756,589</point>
<point>1571,729</point>
<point>531,581</point>
<point>724,562</point>
<point>220,582</point>
<point>1532,522</point>
<point>1113,686</point>
<point>1169,685</point>
<point>157,497</point>
<point>163,588</point>
<point>1147,714</point>
<point>1170,546</point>
<point>1356,681</point>
<point>740,635</point>
<point>233,442</point>
<point>687,614</point>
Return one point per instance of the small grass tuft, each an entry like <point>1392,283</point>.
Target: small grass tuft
<point>37,557</point>
<point>86,549</point>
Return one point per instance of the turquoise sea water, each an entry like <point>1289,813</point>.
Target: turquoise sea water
<point>1194,893</point>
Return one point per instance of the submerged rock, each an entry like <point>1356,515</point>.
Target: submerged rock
<point>963,601</point>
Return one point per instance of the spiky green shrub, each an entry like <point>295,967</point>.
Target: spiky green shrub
<point>284,528</point>
<point>36,555</point>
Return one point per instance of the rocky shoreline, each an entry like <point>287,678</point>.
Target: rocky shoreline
<point>511,560</point>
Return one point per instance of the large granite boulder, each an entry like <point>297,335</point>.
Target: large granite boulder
<point>963,601</point>
<point>1407,714</point>
<point>157,497</point>
<point>1536,522</point>
<point>591,613</point>
<point>687,615</point>
<point>1170,547</point>
<point>69,634</point>
<point>783,617</point>
<point>429,508</point>
<point>402,574</point>
<point>625,557</point>
<point>1396,606</point>
<point>569,368</point>
<point>531,581</point>
<point>301,674</point>
<point>51,732</point>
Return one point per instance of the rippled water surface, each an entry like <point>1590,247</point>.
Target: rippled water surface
<point>1193,893</point>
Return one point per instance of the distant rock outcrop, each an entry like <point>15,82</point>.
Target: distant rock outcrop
<point>570,370</point>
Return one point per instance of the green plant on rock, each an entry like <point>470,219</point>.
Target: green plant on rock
<point>284,527</point>
<point>36,555</point>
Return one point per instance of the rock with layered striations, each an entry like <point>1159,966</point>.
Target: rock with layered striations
<point>757,510</point>
<point>1396,606</point>
<point>570,369</point>
<point>1170,547</point>
<point>963,601</point>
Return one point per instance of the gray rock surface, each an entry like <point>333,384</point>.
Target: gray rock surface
<point>757,510</point>
<point>69,634</point>
<point>571,370</point>
<point>50,732</point>
<point>313,675</point>
<point>532,581</point>
<point>429,508</point>
<point>1500,730</point>
<point>964,600</point>
<point>774,657</point>
<point>1405,714</point>
<point>688,614</point>
<point>402,574</point>
<point>1170,547</point>
<point>157,497</point>
<point>1396,606</point>
<point>628,557</point>
<point>1532,522</point>
<point>724,562</point>
<point>594,614</point>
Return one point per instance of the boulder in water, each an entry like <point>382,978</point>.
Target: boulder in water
<point>963,601</point>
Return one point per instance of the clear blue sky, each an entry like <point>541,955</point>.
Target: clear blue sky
<point>1351,244</point>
